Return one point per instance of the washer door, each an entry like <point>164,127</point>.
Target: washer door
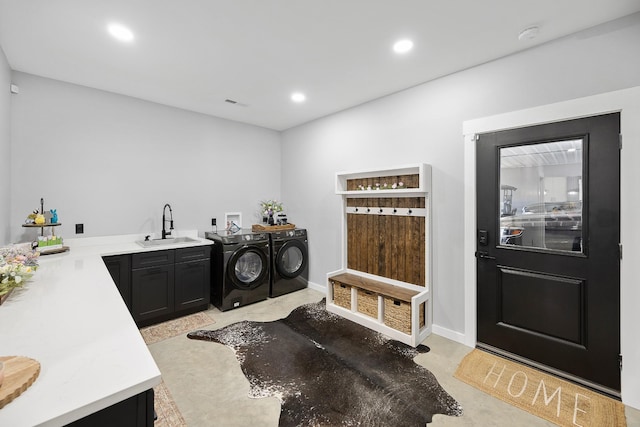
<point>248,267</point>
<point>291,259</point>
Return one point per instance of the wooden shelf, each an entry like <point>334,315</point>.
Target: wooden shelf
<point>395,292</point>
<point>403,192</point>
<point>260,227</point>
<point>55,224</point>
<point>422,170</point>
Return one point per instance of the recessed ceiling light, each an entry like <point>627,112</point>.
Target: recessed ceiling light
<point>529,33</point>
<point>120,32</point>
<point>298,97</point>
<point>403,46</point>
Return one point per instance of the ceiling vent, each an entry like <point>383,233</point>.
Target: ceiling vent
<point>233,102</point>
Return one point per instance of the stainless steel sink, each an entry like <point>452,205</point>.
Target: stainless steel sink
<point>165,242</point>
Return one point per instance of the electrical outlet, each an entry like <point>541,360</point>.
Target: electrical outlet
<point>79,228</point>
<point>213,222</point>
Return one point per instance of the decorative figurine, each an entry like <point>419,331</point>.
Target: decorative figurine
<point>54,216</point>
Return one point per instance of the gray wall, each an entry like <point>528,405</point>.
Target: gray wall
<point>111,162</point>
<point>424,124</point>
<point>5,148</point>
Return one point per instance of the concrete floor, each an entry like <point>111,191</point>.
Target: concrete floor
<point>210,389</point>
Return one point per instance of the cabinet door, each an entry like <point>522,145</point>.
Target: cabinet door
<point>136,411</point>
<point>152,291</point>
<point>120,270</point>
<point>193,285</point>
<point>193,253</point>
<point>152,259</point>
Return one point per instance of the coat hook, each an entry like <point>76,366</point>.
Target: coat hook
<point>409,211</point>
<point>380,210</point>
<point>356,209</point>
<point>368,210</point>
<point>395,210</point>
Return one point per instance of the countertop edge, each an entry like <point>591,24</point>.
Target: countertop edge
<point>64,279</point>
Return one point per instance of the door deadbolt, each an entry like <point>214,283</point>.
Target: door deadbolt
<point>483,237</point>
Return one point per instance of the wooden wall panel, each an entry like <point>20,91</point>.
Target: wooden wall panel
<point>387,245</point>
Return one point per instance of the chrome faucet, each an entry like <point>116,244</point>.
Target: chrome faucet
<point>166,233</point>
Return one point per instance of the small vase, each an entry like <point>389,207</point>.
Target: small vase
<point>271,219</point>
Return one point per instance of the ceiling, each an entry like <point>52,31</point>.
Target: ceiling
<point>195,54</point>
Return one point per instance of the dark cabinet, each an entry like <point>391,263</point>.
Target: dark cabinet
<point>136,411</point>
<point>192,278</point>
<point>119,267</point>
<point>152,290</point>
<point>169,283</point>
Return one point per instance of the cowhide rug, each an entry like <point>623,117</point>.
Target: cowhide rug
<point>327,370</point>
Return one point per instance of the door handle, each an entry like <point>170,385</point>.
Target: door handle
<point>484,255</point>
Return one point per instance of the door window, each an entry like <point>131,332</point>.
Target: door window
<point>541,196</point>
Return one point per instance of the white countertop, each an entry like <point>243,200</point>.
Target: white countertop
<point>70,318</point>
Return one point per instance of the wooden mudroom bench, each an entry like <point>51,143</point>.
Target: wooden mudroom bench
<point>385,279</point>
<point>392,291</point>
<point>394,310</point>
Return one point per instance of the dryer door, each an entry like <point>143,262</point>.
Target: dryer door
<point>248,267</point>
<point>291,259</point>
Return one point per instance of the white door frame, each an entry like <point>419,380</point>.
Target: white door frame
<point>627,102</point>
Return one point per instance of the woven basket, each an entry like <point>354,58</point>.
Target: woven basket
<point>342,295</point>
<point>368,303</point>
<point>397,315</point>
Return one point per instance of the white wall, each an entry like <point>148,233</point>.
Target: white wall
<point>111,162</point>
<point>5,148</point>
<point>424,124</point>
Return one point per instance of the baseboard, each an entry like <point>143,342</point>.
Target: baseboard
<point>449,334</point>
<point>316,287</point>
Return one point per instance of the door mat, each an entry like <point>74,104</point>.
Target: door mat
<point>329,371</point>
<point>172,328</point>
<point>546,396</point>
<point>166,410</point>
